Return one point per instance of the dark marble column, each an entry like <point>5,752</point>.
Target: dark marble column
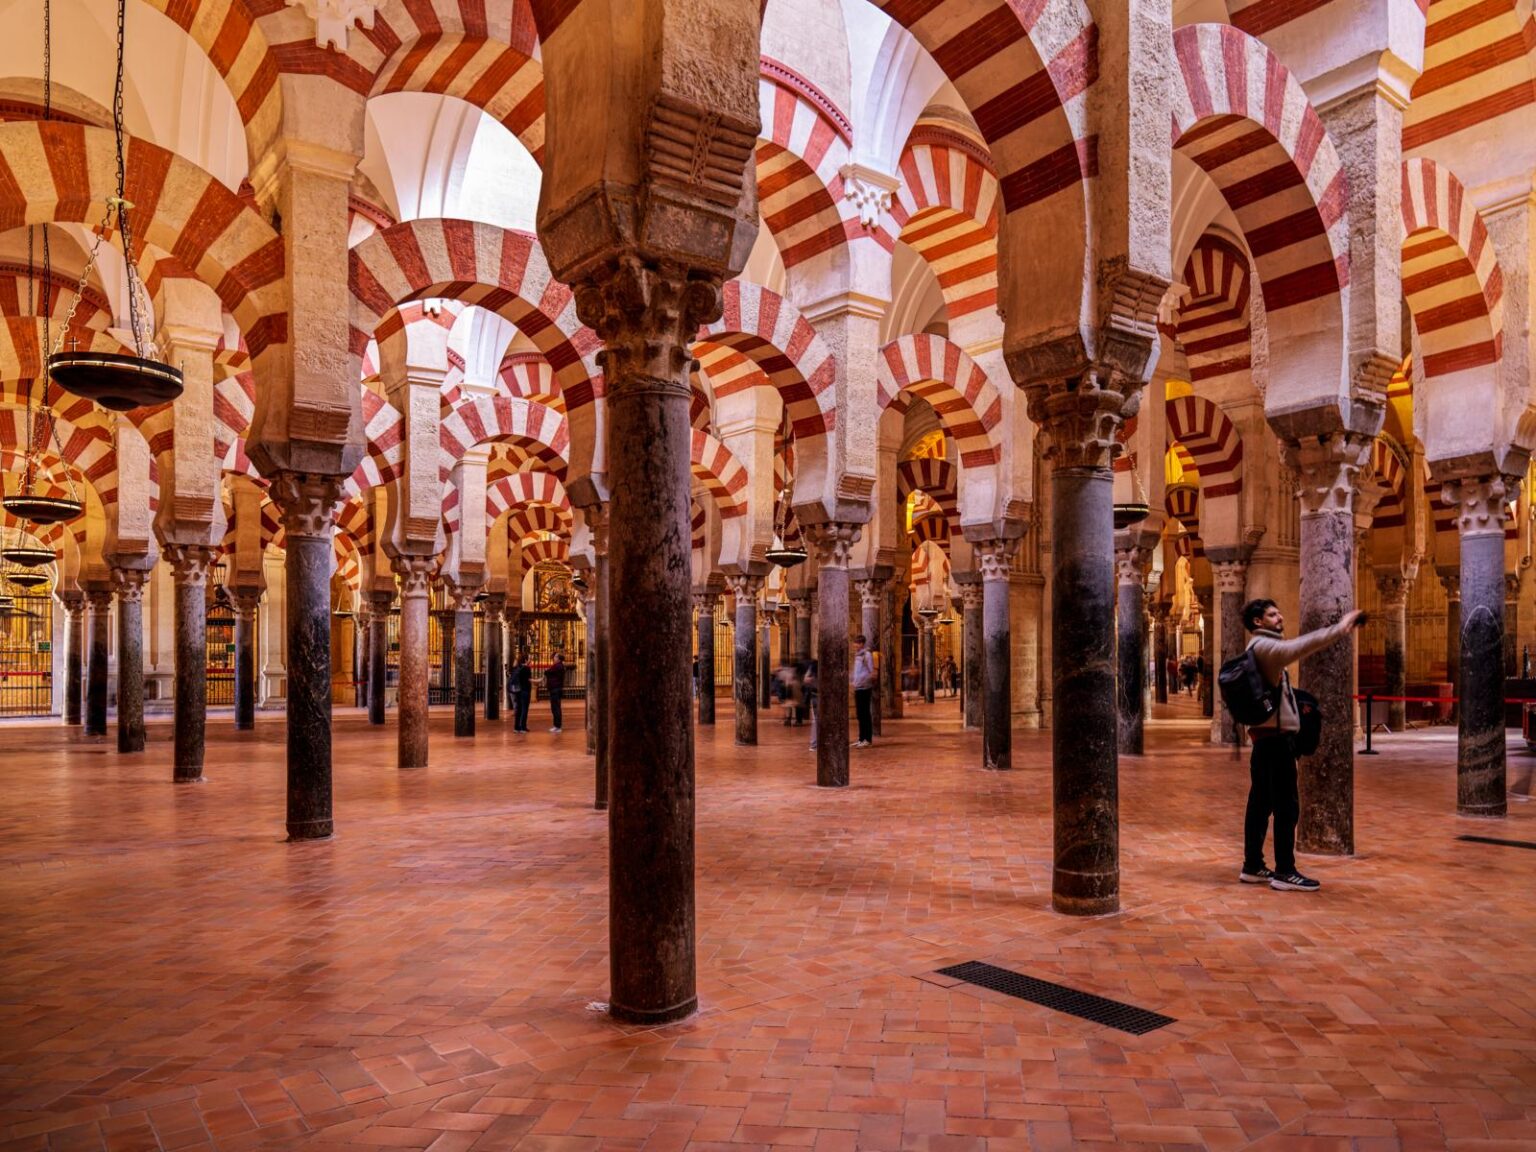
<point>1512,623</point>
<point>1207,599</point>
<point>925,672</point>
<point>1480,738</point>
<point>1393,588</point>
<point>414,573</point>
<point>972,677</point>
<point>1450,580</point>
<point>601,666</point>
<point>446,622</point>
<point>765,659</point>
<point>495,666</point>
<point>1231,580</point>
<point>97,619</point>
<point>890,645</point>
<point>996,560</point>
<point>308,502</point>
<point>378,655</point>
<point>704,603</point>
<point>871,598</point>
<point>744,669</point>
<point>589,614</point>
<point>802,607</point>
<point>1131,645</point>
<point>1327,472</point>
<point>832,542</point>
<point>463,661</point>
<point>129,583</point>
<point>190,565</point>
<point>73,604</point>
<point>1160,651</point>
<point>246,604</point>
<point>648,320</point>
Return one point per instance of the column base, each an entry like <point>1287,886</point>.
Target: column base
<point>654,1016</point>
<point>310,830</point>
<point>1496,811</point>
<point>1084,893</point>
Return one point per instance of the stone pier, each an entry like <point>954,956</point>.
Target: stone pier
<point>1130,627</point>
<point>463,661</point>
<point>1393,587</point>
<point>378,655</point>
<point>832,542</point>
<point>745,587</point>
<point>972,677</point>
<point>129,583</point>
<point>704,603</point>
<point>414,573</point>
<point>996,560</point>
<point>190,564</point>
<point>73,604</point>
<point>97,620</point>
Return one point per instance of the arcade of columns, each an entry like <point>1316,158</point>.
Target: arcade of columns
<point>1263,278</point>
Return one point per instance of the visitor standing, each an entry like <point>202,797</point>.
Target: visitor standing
<point>1272,765</point>
<point>520,688</point>
<point>863,691</point>
<point>554,685</point>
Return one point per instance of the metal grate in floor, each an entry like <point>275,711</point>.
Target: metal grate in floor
<point>1084,1005</point>
<point>1496,840</point>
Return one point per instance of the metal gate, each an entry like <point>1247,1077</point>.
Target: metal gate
<point>440,653</point>
<point>26,653</point>
<point>541,635</point>
<point>220,647</point>
<point>725,650</point>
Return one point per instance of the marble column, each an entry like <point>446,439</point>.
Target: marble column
<point>73,604</point>
<point>495,667</point>
<point>1160,651</point>
<point>802,608</point>
<point>1450,580</point>
<point>1231,579</point>
<point>745,588</point>
<point>1131,646</point>
<point>871,598</point>
<point>648,318</point>
<point>1327,472</point>
<point>308,502</point>
<point>1512,623</point>
<point>832,542</point>
<point>589,612</point>
<point>996,560</point>
<point>1207,600</point>
<point>378,655</point>
<point>704,604</point>
<point>414,573</point>
<point>1393,587</point>
<point>190,564</point>
<point>765,659</point>
<point>463,661</point>
<point>1480,747</point>
<point>890,644</point>
<point>925,669</point>
<point>129,583</point>
<point>446,630</point>
<point>972,677</point>
<point>97,618</point>
<point>599,663</point>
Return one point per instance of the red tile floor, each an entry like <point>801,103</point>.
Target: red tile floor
<point>173,975</point>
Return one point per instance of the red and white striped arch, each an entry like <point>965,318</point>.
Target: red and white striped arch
<point>947,211</point>
<point>505,83</point>
<point>1211,441</point>
<point>938,371</point>
<point>384,434</point>
<point>65,172</point>
<point>524,488</point>
<point>1182,502</point>
<point>769,331</point>
<point>715,467</point>
<point>21,295</point>
<point>85,450</point>
<point>541,431</point>
<point>1478,76</point>
<point>1246,121</point>
<point>529,377</point>
<point>933,477</point>
<point>932,528</point>
<point>1215,325</point>
<point>698,526</point>
<point>234,404</point>
<point>528,519</point>
<point>1451,276</point>
<point>1387,466</point>
<point>546,551</point>
<point>498,269</point>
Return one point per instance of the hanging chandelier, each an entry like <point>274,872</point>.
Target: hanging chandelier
<point>1136,509</point>
<point>28,578</point>
<point>117,382</point>
<point>22,554</point>
<point>785,554</point>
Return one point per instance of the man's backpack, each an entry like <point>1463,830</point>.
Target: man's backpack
<point>1310,713</point>
<point>1244,692</point>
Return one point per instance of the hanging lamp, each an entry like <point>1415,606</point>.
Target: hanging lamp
<point>781,552</point>
<point>1136,509</point>
<point>118,382</point>
<point>17,551</point>
<point>28,578</point>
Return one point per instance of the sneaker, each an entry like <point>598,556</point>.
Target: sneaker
<point>1293,882</point>
<point>861,743</point>
<point>1256,876</point>
<point>555,730</point>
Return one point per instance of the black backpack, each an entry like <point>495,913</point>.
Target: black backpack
<point>1244,692</point>
<point>1311,715</point>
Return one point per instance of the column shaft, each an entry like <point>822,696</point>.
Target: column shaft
<point>602,668</point>
<point>927,660</point>
<point>871,597</point>
<point>1452,584</point>
<point>972,677</point>
<point>832,542</point>
<point>464,666</point>
<point>130,659</point>
<point>744,686</point>
<point>411,693</point>
<point>378,657</point>
<point>74,660</point>
<point>495,668</point>
<point>1130,683</point>
<point>191,568</point>
<point>705,603</point>
<point>996,558</point>
<point>96,619</point>
<point>1394,588</point>
<point>1160,654</point>
<point>245,660</point>
<point>890,667</point>
<point>802,630</point>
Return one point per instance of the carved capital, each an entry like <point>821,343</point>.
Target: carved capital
<point>648,315</point>
<point>597,524</point>
<point>1080,416</point>
<point>128,583</point>
<point>995,557</point>
<point>99,600</point>
<point>189,562</point>
<point>704,602</point>
<point>971,596</point>
<point>1480,502</point>
<point>1393,588</point>
<point>462,596</point>
<point>833,541</point>
<point>415,573</point>
<point>382,602</point>
<point>1326,468</point>
<point>870,192</point>
<point>744,586</point>
<point>801,607</point>
<point>1131,566</point>
<point>308,501</point>
<point>871,592</point>
<point>1159,609</point>
<point>1451,582</point>
<point>1230,576</point>
<point>334,19</point>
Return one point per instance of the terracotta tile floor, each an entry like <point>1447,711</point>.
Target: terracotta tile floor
<point>174,976</point>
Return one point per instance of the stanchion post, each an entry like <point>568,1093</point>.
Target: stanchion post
<point>1368,751</point>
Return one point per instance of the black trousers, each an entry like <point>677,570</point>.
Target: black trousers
<point>554,708</point>
<point>862,706</point>
<point>1271,792</point>
<point>520,711</point>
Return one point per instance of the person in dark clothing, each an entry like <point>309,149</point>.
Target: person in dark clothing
<point>520,688</point>
<point>1272,765</point>
<point>864,691</point>
<point>554,685</point>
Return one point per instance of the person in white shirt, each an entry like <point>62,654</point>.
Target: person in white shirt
<point>864,691</point>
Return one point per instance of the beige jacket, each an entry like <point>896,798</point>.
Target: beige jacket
<point>1274,654</point>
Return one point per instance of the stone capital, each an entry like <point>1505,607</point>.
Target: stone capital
<point>1326,467</point>
<point>705,602</point>
<point>995,557</point>
<point>1480,502</point>
<point>744,585</point>
<point>972,594</point>
<point>128,583</point>
<point>1080,416</point>
<point>415,573</point>
<point>462,596</point>
<point>1159,609</point>
<point>833,541</point>
<point>99,600</point>
<point>1230,575</point>
<point>871,592</point>
<point>801,607</point>
<point>70,600</point>
<point>1393,586</point>
<point>189,562</point>
<point>382,601</point>
<point>870,191</point>
<point>1450,580</point>
<point>308,501</point>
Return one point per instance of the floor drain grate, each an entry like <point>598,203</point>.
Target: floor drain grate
<point>1084,1005</point>
<point>1496,840</point>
